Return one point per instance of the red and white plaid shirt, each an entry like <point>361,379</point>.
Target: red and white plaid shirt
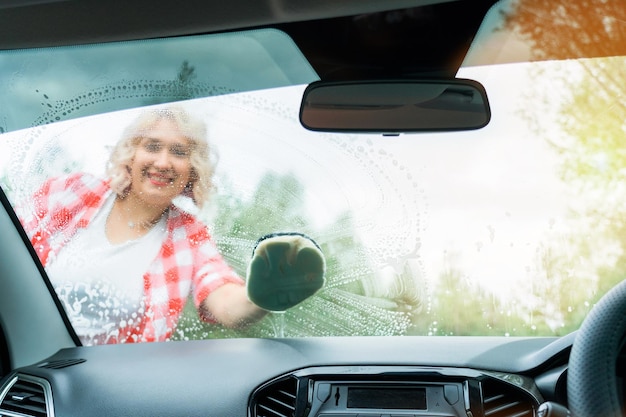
<point>187,261</point>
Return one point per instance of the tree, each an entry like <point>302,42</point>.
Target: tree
<point>564,29</point>
<point>342,307</point>
<point>462,307</point>
<point>578,269</point>
<point>126,94</point>
<point>182,87</point>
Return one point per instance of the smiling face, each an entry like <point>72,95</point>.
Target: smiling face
<point>160,169</point>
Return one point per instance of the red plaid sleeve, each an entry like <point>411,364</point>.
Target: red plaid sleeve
<point>188,261</point>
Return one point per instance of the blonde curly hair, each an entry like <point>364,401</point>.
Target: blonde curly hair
<point>201,157</point>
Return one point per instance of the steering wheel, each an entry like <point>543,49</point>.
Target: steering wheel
<point>591,376</point>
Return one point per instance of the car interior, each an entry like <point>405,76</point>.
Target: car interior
<point>459,163</point>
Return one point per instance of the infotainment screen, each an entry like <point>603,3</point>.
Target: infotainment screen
<point>387,398</point>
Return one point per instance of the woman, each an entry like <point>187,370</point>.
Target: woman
<point>123,258</point>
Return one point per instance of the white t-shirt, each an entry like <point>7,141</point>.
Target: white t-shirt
<point>100,283</point>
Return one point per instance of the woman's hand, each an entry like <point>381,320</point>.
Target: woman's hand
<point>285,270</point>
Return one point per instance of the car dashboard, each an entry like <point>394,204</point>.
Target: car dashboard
<point>330,377</point>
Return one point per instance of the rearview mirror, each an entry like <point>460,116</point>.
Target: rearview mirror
<point>395,106</point>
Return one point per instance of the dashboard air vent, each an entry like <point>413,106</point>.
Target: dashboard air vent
<point>277,399</point>
<point>25,397</point>
<point>504,400</point>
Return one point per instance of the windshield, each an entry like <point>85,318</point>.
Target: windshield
<point>512,230</point>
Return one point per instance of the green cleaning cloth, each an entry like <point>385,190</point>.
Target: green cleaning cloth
<point>285,269</point>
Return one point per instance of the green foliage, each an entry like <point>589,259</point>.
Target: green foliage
<point>340,308</point>
<point>573,271</point>
<point>182,87</point>
<point>461,307</point>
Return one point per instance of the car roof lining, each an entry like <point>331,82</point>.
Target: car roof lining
<point>437,47</point>
<point>32,23</point>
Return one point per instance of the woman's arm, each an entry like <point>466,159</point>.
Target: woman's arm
<point>229,305</point>
<point>285,269</point>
